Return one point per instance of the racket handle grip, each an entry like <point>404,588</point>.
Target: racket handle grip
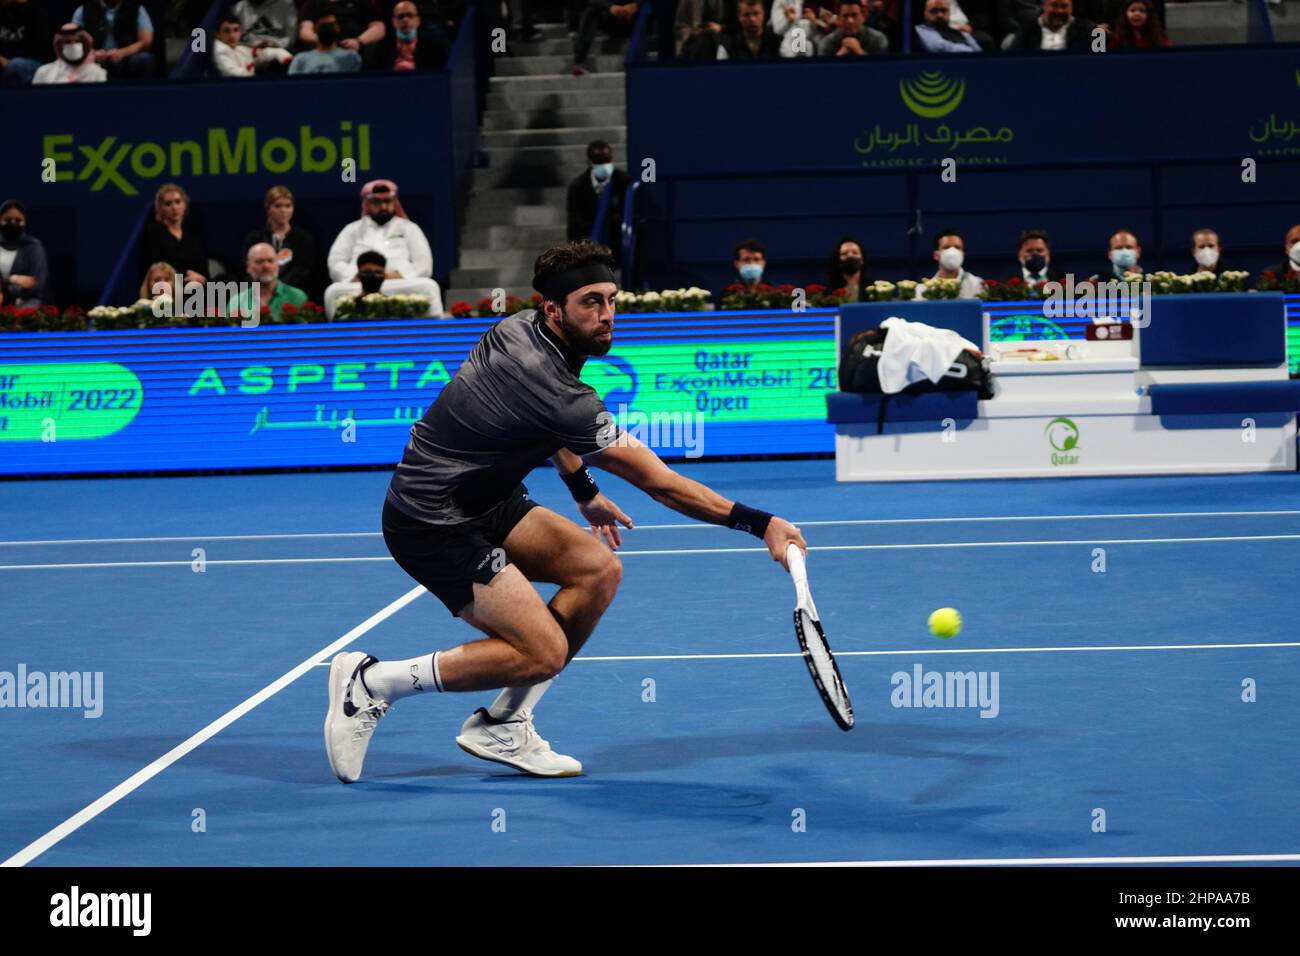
<point>798,570</point>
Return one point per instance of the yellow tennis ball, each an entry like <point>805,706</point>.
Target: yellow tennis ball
<point>945,622</point>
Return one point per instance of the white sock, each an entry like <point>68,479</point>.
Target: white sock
<point>393,680</point>
<point>514,699</point>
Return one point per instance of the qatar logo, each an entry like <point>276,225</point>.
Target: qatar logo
<point>1063,436</point>
<point>614,379</point>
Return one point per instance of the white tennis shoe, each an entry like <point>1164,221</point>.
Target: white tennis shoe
<point>514,742</point>
<point>352,715</point>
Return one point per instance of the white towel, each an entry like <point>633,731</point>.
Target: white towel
<point>914,350</point>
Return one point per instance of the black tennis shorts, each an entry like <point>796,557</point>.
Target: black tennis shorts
<point>448,558</point>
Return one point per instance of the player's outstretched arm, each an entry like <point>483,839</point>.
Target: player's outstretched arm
<point>602,514</point>
<point>634,462</point>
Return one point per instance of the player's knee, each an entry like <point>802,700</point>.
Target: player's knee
<point>609,574</point>
<point>545,662</point>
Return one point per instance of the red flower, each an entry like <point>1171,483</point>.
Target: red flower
<point>461,310</point>
<point>816,289</point>
<point>1015,281</point>
<point>764,287</point>
<point>735,287</point>
<point>288,309</point>
<point>313,308</point>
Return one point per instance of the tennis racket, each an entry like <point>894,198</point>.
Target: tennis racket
<point>816,652</point>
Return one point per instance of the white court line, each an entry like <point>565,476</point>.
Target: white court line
<point>141,777</point>
<point>671,527</point>
<point>621,553</point>
<point>1042,861</point>
<point>933,650</point>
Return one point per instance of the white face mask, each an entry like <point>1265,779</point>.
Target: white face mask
<point>951,258</point>
<point>1295,253</point>
<point>73,52</point>
<point>1207,256</point>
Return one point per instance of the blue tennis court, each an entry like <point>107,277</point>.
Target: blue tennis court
<point>1145,711</point>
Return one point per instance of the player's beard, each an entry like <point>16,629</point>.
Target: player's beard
<point>582,343</point>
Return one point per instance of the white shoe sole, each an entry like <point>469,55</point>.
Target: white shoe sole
<point>336,690</point>
<point>474,750</point>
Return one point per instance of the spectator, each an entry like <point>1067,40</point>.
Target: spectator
<point>356,23</point>
<point>616,20</point>
<point>583,199</point>
<point>801,24</point>
<point>852,37</point>
<point>1206,251</point>
<point>383,227</point>
<point>22,259</point>
<point>233,58</point>
<point>753,39</point>
<point>938,35</point>
<point>24,41</point>
<point>848,269</point>
<point>750,263</point>
<point>976,18</point>
<point>1056,29</point>
<point>268,23</point>
<point>159,282</point>
<point>74,59</point>
<point>1125,251</point>
<point>166,239</point>
<point>1138,27</point>
<point>698,27</point>
<point>410,45</point>
<point>1288,270</point>
<point>263,267</point>
<point>950,253</point>
<point>1035,255</point>
<point>123,34</point>
<point>329,56</point>
<point>295,247</point>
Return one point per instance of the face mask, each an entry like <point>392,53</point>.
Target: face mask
<point>752,271</point>
<point>406,35</point>
<point>602,171</point>
<point>1207,256</point>
<point>371,281</point>
<point>74,52</point>
<point>1295,253</point>
<point>11,233</point>
<point>951,258</point>
<point>1123,258</point>
<point>381,217</point>
<point>1035,263</point>
<point>327,33</point>
<point>850,266</point>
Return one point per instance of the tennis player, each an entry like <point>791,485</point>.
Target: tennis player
<point>460,522</point>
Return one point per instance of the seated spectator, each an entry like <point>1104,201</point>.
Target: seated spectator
<point>74,59</point>
<point>848,269</point>
<point>976,18</point>
<point>1035,255</point>
<point>159,282</point>
<point>1125,251</point>
<point>233,58</point>
<point>1288,270</point>
<point>263,267</point>
<point>753,39</point>
<point>329,56</point>
<point>409,45</point>
<point>1056,29</point>
<point>804,24</point>
<point>268,23</point>
<point>24,41</point>
<point>22,259</point>
<point>615,20</point>
<point>1207,252</point>
<point>852,37</point>
<point>295,247</point>
<point>123,35</point>
<point>699,26</point>
<point>383,228</point>
<point>950,253</point>
<point>750,263</point>
<point>1138,27</point>
<point>166,239</point>
<point>356,23</point>
<point>583,198</point>
<point>937,35</point>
